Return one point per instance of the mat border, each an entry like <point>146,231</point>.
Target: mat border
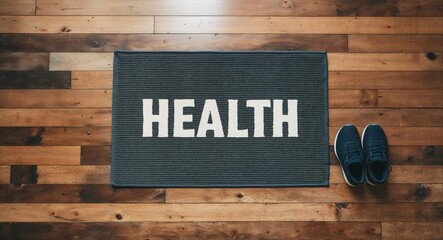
<point>325,183</point>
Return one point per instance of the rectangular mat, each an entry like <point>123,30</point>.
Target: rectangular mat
<point>220,119</point>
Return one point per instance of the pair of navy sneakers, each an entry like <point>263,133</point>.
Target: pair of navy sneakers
<point>365,159</point>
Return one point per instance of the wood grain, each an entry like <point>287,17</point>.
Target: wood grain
<point>55,117</point>
<point>5,172</point>
<point>195,230</point>
<point>99,174</point>
<point>336,192</point>
<point>63,61</point>
<point>35,80</point>
<point>55,98</point>
<point>336,80</point>
<point>91,80</point>
<point>395,43</point>
<point>422,117</point>
<point>418,155</point>
<point>384,62</point>
<point>352,98</point>
<point>17,7</point>
<point>410,98</point>
<point>363,116</point>
<point>76,24</point>
<point>305,25</point>
<point>74,193</point>
<point>405,135</point>
<point>40,155</point>
<point>55,136</point>
<point>78,42</point>
<point>97,136</point>
<point>384,80</point>
<point>11,61</point>
<point>102,98</point>
<point>240,7</point>
<point>412,230</point>
<point>96,155</point>
<point>80,61</point>
<point>40,212</point>
<point>85,174</point>
<point>23,174</point>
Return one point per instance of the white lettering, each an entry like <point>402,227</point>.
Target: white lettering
<point>259,115</point>
<point>290,118</point>
<point>180,118</point>
<point>233,130</point>
<point>161,118</point>
<point>210,109</point>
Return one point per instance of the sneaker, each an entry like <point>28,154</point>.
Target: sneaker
<point>375,145</point>
<point>349,154</point>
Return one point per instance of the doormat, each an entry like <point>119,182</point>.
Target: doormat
<point>220,119</point>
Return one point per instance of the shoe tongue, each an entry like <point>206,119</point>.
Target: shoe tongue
<point>353,160</point>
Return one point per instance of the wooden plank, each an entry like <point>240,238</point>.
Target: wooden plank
<point>35,80</point>
<point>80,61</point>
<point>422,117</point>
<point>384,62</point>
<point>352,98</point>
<point>102,98</point>
<point>66,117</point>
<point>96,155</point>
<point>55,136</point>
<point>239,7</point>
<point>10,61</point>
<point>104,193</point>
<point>410,98</point>
<point>385,80</point>
<point>99,174</point>
<point>85,174</point>
<point>305,25</point>
<point>337,192</point>
<point>97,136</point>
<point>186,42</point>
<point>406,155</point>
<point>23,174</point>
<point>418,155</point>
<point>361,117</point>
<point>90,212</point>
<point>74,193</point>
<point>405,135</point>
<point>55,98</point>
<point>395,43</point>
<point>5,174</point>
<point>194,230</point>
<point>39,155</point>
<point>17,7</point>
<point>76,24</point>
<point>412,230</point>
<point>62,61</point>
<point>401,174</point>
<point>91,80</point>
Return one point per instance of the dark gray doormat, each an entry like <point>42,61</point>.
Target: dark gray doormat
<point>220,119</point>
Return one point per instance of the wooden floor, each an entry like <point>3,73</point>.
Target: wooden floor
<point>385,66</point>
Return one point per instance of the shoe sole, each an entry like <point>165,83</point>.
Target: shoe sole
<point>338,159</point>
<point>362,137</point>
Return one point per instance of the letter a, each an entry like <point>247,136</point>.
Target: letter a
<point>210,109</point>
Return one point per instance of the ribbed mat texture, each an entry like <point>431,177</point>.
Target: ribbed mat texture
<point>219,90</point>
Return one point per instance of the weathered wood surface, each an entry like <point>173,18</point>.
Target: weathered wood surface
<point>385,66</point>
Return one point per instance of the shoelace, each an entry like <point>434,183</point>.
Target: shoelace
<point>352,152</point>
<point>376,152</point>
